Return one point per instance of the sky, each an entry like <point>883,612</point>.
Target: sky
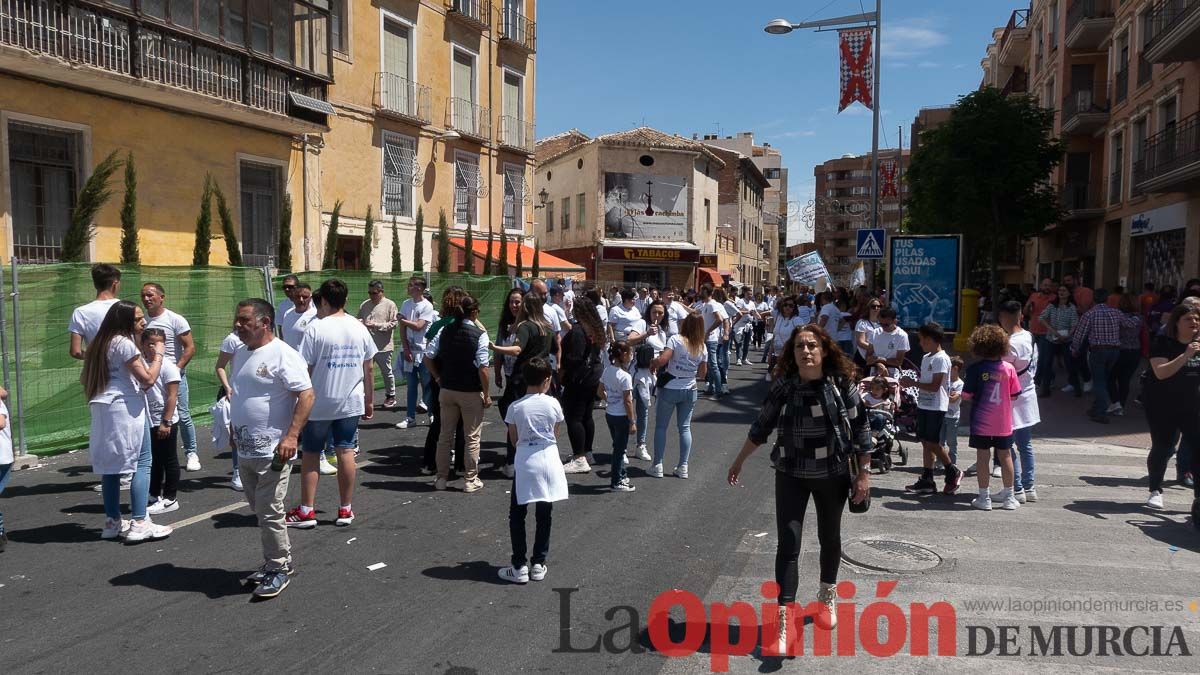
<point>707,66</point>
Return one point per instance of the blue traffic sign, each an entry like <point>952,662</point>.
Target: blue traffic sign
<point>870,245</point>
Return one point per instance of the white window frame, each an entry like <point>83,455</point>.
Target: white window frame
<point>505,70</point>
<point>454,46</point>
<point>384,17</point>
<point>383,138</point>
<point>506,167</point>
<point>462,154</point>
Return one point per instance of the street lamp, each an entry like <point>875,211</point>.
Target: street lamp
<point>779,27</point>
<point>542,197</point>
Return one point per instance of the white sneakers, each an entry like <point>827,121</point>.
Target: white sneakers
<point>681,471</point>
<point>983,502</point>
<point>537,572</point>
<point>577,465</point>
<point>1010,502</point>
<point>1116,409</point>
<point>406,423</point>
<point>1030,495</point>
<point>163,506</point>
<point>193,461</point>
<point>828,618</point>
<point>643,453</point>
<point>656,471</point>
<point>1155,501</point>
<point>325,468</point>
<point>996,472</point>
<point>522,574</point>
<point>1087,387</point>
<point>146,530</point>
<point>421,407</point>
<point>439,484</point>
<point>1020,495</point>
<point>236,483</point>
<point>114,527</point>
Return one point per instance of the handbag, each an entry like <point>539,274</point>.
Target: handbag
<point>851,458</point>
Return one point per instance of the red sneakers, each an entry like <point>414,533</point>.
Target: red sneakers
<point>300,521</point>
<point>345,516</point>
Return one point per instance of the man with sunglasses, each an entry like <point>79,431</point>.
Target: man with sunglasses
<point>380,315</point>
<point>289,290</point>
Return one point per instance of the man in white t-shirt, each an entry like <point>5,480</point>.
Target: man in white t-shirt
<point>676,313</point>
<point>933,399</point>
<point>568,303</point>
<point>622,315</point>
<point>1023,355</point>
<point>340,353</point>
<point>716,330</point>
<point>180,350</point>
<point>642,300</point>
<point>274,396</point>
<point>416,313</point>
<point>290,282</point>
<point>295,322</point>
<point>86,319</point>
<point>890,344</point>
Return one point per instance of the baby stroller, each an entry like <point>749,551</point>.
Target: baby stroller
<point>885,434</point>
<point>905,414</point>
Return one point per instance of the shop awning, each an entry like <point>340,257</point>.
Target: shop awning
<point>708,275</point>
<point>546,262</point>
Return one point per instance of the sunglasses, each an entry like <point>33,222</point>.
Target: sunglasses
<point>875,306</point>
<point>289,287</point>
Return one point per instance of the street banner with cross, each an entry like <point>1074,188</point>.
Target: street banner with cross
<point>857,71</point>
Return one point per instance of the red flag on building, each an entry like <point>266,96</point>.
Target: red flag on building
<point>857,71</point>
<point>887,179</point>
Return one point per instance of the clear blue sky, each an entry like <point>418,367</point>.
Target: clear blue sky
<point>687,66</point>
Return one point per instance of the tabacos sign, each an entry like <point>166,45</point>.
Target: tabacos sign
<point>651,255</point>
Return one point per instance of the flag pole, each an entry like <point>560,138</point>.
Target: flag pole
<point>875,129</point>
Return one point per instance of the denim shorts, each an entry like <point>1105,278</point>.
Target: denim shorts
<point>341,434</point>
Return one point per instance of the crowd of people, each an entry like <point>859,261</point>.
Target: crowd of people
<point>297,378</point>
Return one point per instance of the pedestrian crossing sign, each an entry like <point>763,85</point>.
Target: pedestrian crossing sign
<point>870,245</point>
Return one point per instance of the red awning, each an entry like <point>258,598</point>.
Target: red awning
<point>546,261</point>
<point>707,275</point>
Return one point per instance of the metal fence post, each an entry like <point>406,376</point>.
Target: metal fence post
<point>16,296</point>
<point>3,336</point>
<point>266,272</point>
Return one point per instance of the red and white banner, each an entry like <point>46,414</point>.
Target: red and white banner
<point>888,185</point>
<point>857,71</point>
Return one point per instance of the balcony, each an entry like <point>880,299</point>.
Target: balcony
<point>474,13</point>
<point>1171,159</point>
<point>1014,43</point>
<point>1174,31</point>
<point>470,120</point>
<point>1114,187</point>
<point>1080,201</point>
<point>1088,23</point>
<point>1018,83</point>
<point>116,53</point>
<point>1121,84</point>
<point>400,97</point>
<point>1082,114</point>
<point>517,30</point>
<point>1145,70</point>
<point>516,134</point>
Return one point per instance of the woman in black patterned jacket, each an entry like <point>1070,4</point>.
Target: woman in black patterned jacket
<point>822,423</point>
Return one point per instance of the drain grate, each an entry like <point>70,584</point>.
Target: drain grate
<point>891,556</point>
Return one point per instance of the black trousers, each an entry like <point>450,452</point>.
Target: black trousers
<point>577,402</point>
<point>513,390</point>
<point>791,501</point>
<point>1122,375</point>
<point>429,461</point>
<point>164,466</point>
<point>1167,422</point>
<point>516,529</point>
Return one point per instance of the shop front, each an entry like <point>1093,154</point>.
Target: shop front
<point>1158,244</point>
<point>659,265</point>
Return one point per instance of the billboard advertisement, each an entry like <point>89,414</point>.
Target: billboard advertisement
<point>646,207</point>
<point>923,279</point>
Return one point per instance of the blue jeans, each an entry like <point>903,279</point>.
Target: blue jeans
<point>743,344</point>
<point>1101,361</point>
<point>187,430</point>
<point>642,408</point>
<point>950,437</point>
<point>723,365</point>
<point>681,402</point>
<point>139,490</point>
<point>5,472</point>
<point>1045,363</point>
<point>1022,454</point>
<point>618,427</point>
<point>418,375</point>
<point>713,378</point>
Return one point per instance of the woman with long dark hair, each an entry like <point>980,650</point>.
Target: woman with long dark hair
<point>865,329</point>
<point>649,345</point>
<point>1171,392</point>
<point>580,373</point>
<point>532,337</point>
<point>1060,317</point>
<point>452,297</point>
<point>114,379</point>
<point>685,361</point>
<point>814,401</point>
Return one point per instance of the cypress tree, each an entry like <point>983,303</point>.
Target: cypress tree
<point>520,258</point>
<point>203,245</point>
<point>232,251</point>
<point>469,251</point>
<point>284,252</point>
<point>489,264</point>
<point>503,253</point>
<point>537,259</point>
<point>443,246</point>
<point>129,233</point>
<point>95,193</point>
<point>329,261</point>
<point>368,238</point>
<point>397,266</point>
<point>419,243</point>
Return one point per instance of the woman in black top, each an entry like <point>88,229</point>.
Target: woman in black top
<point>824,428</point>
<point>1171,392</point>
<point>533,339</point>
<point>580,373</point>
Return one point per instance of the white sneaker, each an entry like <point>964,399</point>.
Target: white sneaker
<point>237,481</point>
<point>969,471</point>
<point>325,468</point>
<point>1087,387</point>
<point>1068,389</point>
<point>537,572</point>
<point>508,470</point>
<point>624,486</point>
<point>577,465</point>
<point>996,472</point>
<point>591,458</point>
<point>1010,503</point>
<point>1030,495</point>
<point>681,471</point>
<point>1155,501</point>
<point>406,423</point>
<point>516,576</point>
<point>1116,410</point>
<point>145,529</point>
<point>827,598</point>
<point>983,503</point>
<point>439,484</point>
<point>421,408</point>
<point>643,453</point>
<point>656,471</point>
<point>114,528</point>
<point>1020,495</point>
<point>163,506</point>
<point>426,471</point>
<point>193,461</point>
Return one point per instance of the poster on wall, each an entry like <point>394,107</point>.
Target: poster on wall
<point>808,269</point>
<point>642,206</point>
<point>923,279</point>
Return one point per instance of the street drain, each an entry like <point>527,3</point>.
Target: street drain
<point>891,556</point>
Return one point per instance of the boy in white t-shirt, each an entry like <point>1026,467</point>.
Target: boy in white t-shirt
<point>162,404</point>
<point>539,477</point>
<point>616,385</point>
<point>86,319</point>
<point>933,399</point>
<point>950,424</point>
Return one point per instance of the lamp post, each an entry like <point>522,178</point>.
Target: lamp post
<point>870,20</point>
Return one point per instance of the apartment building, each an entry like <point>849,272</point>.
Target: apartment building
<point>844,206</point>
<point>1124,78</point>
<point>387,104</point>
<point>769,161</point>
<point>632,207</point>
<point>740,214</point>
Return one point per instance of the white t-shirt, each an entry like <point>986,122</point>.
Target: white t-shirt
<point>1022,354</point>
<point>682,364</point>
<point>603,312</point>
<point>676,313</point>
<point>6,449</point>
<point>887,344</point>
<point>265,382</point>
<point>535,416</point>
<point>638,327</point>
<point>836,324</point>
<point>713,313</point>
<point>784,325</point>
<point>805,313</point>
<point>173,325</point>
<point>557,317</point>
<point>869,329</point>
<point>121,381</point>
<point>282,308</point>
<point>294,324</point>
<point>539,471</point>
<point>156,396</point>
<point>336,348</point>
<point>620,317</point>
<point>416,311</point>
<point>931,365</point>
<point>616,382</point>
<point>956,387</point>
<point>230,343</point>
<point>732,310</point>
<point>86,320</point>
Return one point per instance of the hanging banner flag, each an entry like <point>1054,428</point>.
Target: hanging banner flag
<point>858,277</point>
<point>888,169</point>
<point>857,71</point>
<point>808,269</point>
